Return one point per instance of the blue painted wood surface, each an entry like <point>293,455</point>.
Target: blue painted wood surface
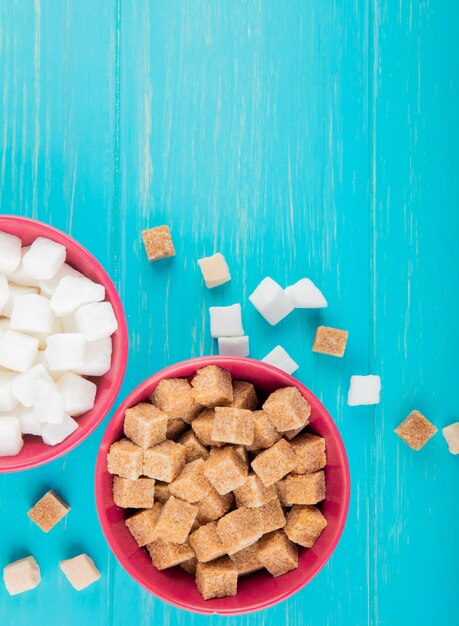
<point>299,138</point>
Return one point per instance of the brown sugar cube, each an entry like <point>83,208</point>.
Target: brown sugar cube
<point>158,243</point>
<point>174,397</point>
<point>80,571</point>
<point>125,459</point>
<point>206,543</point>
<point>175,427</point>
<point>265,435</point>
<point>330,341</point>
<point>287,409</point>
<point>310,453</point>
<point>272,464</point>
<point>304,525</point>
<point>212,386</point>
<point>244,395</point>
<point>145,424</point>
<point>277,553</point>
<point>416,430</point>
<point>175,520</point>
<point>253,492</point>
<point>225,470</point>
<point>193,447</point>
<point>142,524</point>
<point>48,511</point>
<point>217,579</point>
<point>190,564</point>
<point>247,560</point>
<point>271,516</point>
<point>202,427</point>
<point>162,493</point>
<point>302,488</point>
<point>233,426</point>
<point>239,529</point>
<point>164,554</point>
<point>191,485</point>
<point>133,494</point>
<point>214,506</point>
<point>241,450</point>
<point>164,461</point>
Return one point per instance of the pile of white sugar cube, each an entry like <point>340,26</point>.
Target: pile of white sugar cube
<point>55,329</point>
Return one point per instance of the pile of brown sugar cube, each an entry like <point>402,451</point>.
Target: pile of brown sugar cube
<point>222,487</point>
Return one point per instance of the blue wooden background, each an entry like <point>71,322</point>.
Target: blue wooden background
<point>298,137</point>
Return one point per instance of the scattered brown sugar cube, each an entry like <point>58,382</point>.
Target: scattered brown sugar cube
<point>164,554</point>
<point>145,424</point>
<point>247,560</point>
<point>80,571</point>
<point>253,492</point>
<point>304,525</point>
<point>191,485</point>
<point>233,425</point>
<point>416,430</point>
<point>277,553</point>
<point>310,453</point>
<point>302,488</point>
<point>214,270</point>
<point>238,529</point>
<point>271,516</point>
<point>193,447</point>
<point>158,243</point>
<point>217,579</point>
<point>214,506</point>
<point>212,386</point>
<point>22,575</point>
<point>142,524</point>
<point>272,464</point>
<point>330,341</point>
<point>265,435</point>
<point>202,427</point>
<point>164,461</point>
<point>175,427</point>
<point>133,494</point>
<point>174,397</point>
<point>125,459</point>
<point>162,492</point>
<point>206,543</point>
<point>287,409</point>
<point>48,511</point>
<point>226,470</point>
<point>190,564</point>
<point>244,395</point>
<point>175,520</point>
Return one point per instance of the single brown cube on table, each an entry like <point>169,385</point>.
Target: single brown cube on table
<point>145,424</point>
<point>133,494</point>
<point>270,516</point>
<point>142,524</point>
<point>302,488</point>
<point>253,492</point>
<point>164,461</point>
<point>212,386</point>
<point>244,395</point>
<point>416,430</point>
<point>238,529</point>
<point>247,560</point>
<point>48,511</point>
<point>191,484</point>
<point>175,427</point>
<point>206,543</point>
<point>225,470</point>
<point>287,409</point>
<point>233,425</point>
<point>331,341</point>
<point>217,579</point>
<point>158,243</point>
<point>164,554</point>
<point>274,463</point>
<point>214,506</point>
<point>277,553</point>
<point>175,520</point>
<point>310,453</point>
<point>304,525</point>
<point>265,435</point>
<point>125,458</point>
<point>193,447</point>
<point>202,427</point>
<point>174,397</point>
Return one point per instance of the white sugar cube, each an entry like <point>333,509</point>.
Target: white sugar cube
<point>48,286</point>
<point>364,390</point>
<point>233,346</point>
<point>271,301</point>
<point>24,385</point>
<point>7,399</point>
<point>20,276</point>
<point>226,321</point>
<point>281,359</point>
<point>10,252</point>
<point>43,337</point>
<point>56,433</point>
<point>97,358</point>
<point>10,436</point>
<point>305,295</point>
<point>78,393</point>
<point>16,290</point>
<point>32,314</point>
<point>30,422</point>
<point>17,351</point>
<point>451,435</point>
<point>80,571</point>
<point>4,291</point>
<point>65,351</point>
<point>4,324</point>
<point>21,575</point>
<point>44,258</point>
<point>95,321</point>
<point>71,293</point>
<point>49,402</point>
<point>214,270</point>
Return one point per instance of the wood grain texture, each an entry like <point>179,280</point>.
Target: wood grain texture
<point>298,138</point>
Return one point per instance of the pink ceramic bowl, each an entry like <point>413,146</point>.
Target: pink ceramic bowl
<point>256,591</point>
<point>34,451</point>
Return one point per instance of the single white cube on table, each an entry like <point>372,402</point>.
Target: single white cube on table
<point>10,436</point>
<point>97,358</point>
<point>17,351</point>
<point>364,390</point>
<point>44,258</point>
<point>233,346</point>
<point>271,301</point>
<point>278,357</point>
<point>79,393</point>
<point>95,321</point>
<point>54,434</point>
<point>226,321</point>
<point>65,351</point>
<point>451,435</point>
<point>214,270</point>
<point>71,293</point>
<point>80,571</point>
<point>10,252</point>
<point>21,575</point>
<point>305,295</point>
<point>32,314</point>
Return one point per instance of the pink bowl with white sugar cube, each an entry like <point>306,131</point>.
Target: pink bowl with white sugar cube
<point>34,451</point>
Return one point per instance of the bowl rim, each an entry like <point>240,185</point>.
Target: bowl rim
<point>59,450</point>
<point>101,470</point>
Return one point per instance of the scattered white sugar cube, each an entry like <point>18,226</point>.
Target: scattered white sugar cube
<point>364,390</point>
<point>56,433</point>
<point>16,290</point>
<point>214,270</point>
<point>44,258</point>
<point>29,421</point>
<point>10,436</point>
<point>451,435</point>
<point>21,575</point>
<point>7,399</point>
<point>233,346</point>
<point>305,295</point>
<point>10,252</point>
<point>95,321</point>
<point>48,286</point>
<point>281,359</point>
<point>226,321</point>
<point>17,351</point>
<point>23,386</point>
<point>71,293</point>
<point>80,571</point>
<point>49,402</point>
<point>32,314</point>
<point>97,358</point>
<point>65,351</point>
<point>4,291</point>
<point>271,301</point>
<point>79,394</point>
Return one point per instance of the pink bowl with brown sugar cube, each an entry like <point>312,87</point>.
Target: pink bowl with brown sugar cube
<point>258,590</point>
